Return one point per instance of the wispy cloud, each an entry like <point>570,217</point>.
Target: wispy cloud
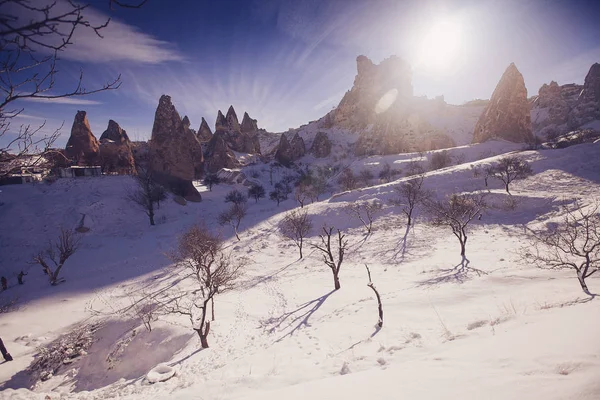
<point>119,42</point>
<point>63,100</point>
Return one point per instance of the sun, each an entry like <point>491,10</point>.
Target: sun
<point>440,46</point>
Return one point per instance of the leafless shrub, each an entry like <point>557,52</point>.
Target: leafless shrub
<point>364,177</point>
<point>57,253</point>
<point>256,192</point>
<point>365,212</point>
<point>347,180</point>
<point>572,244</point>
<point>509,169</point>
<point>387,173</point>
<point>325,248</point>
<point>295,226</point>
<point>439,160</point>
<point>212,272</point>
<point>456,212</point>
<point>233,216</point>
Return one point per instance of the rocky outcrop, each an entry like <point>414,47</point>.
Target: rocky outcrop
<point>204,132</point>
<point>175,152</point>
<point>82,147</point>
<point>237,139</point>
<point>557,110</point>
<point>218,154</point>
<point>587,108</point>
<point>115,155</point>
<point>507,116</point>
<point>377,89</point>
<point>186,122</point>
<point>288,152</point>
<point>115,133</point>
<point>249,125</point>
<point>321,146</point>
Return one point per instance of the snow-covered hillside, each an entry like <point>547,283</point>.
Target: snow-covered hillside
<point>509,331</point>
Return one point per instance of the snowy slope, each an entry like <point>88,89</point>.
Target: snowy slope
<point>512,331</point>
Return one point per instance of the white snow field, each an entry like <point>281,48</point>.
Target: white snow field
<point>511,331</point>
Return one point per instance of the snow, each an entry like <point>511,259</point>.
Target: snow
<point>512,331</point>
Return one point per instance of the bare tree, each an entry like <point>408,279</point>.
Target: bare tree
<point>233,216</point>
<point>57,253</point>
<point>212,272</point>
<point>456,212</point>
<point>365,212</point>
<point>302,193</point>
<point>295,226</point>
<point>510,169</point>
<point>574,243</point>
<point>379,305</point>
<point>328,255</point>
<point>408,195</point>
<point>256,192</point>
<point>32,36</point>
<point>148,192</point>
<point>210,180</point>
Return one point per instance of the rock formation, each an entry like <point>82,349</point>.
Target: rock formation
<point>382,108</point>
<point>507,116</point>
<point>115,150</point>
<point>389,81</point>
<point>321,146</point>
<point>204,132</point>
<point>186,122</point>
<point>587,107</point>
<point>249,125</point>
<point>288,152</point>
<point>115,133</point>
<point>218,154</point>
<point>237,139</point>
<point>175,152</point>
<point>82,147</point>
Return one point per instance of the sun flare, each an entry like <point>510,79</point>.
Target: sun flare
<point>441,44</point>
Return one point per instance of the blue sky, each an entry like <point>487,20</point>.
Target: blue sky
<point>287,62</point>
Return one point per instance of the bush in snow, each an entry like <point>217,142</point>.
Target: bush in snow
<point>347,180</point>
<point>57,253</point>
<point>364,177</point>
<point>572,244</point>
<point>295,226</point>
<point>439,160</point>
<point>387,174</point>
<point>325,247</point>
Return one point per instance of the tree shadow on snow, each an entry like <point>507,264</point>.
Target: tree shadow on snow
<point>460,273</point>
<point>297,318</point>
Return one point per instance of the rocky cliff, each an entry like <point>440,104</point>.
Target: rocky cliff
<point>115,150</point>
<point>507,115</point>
